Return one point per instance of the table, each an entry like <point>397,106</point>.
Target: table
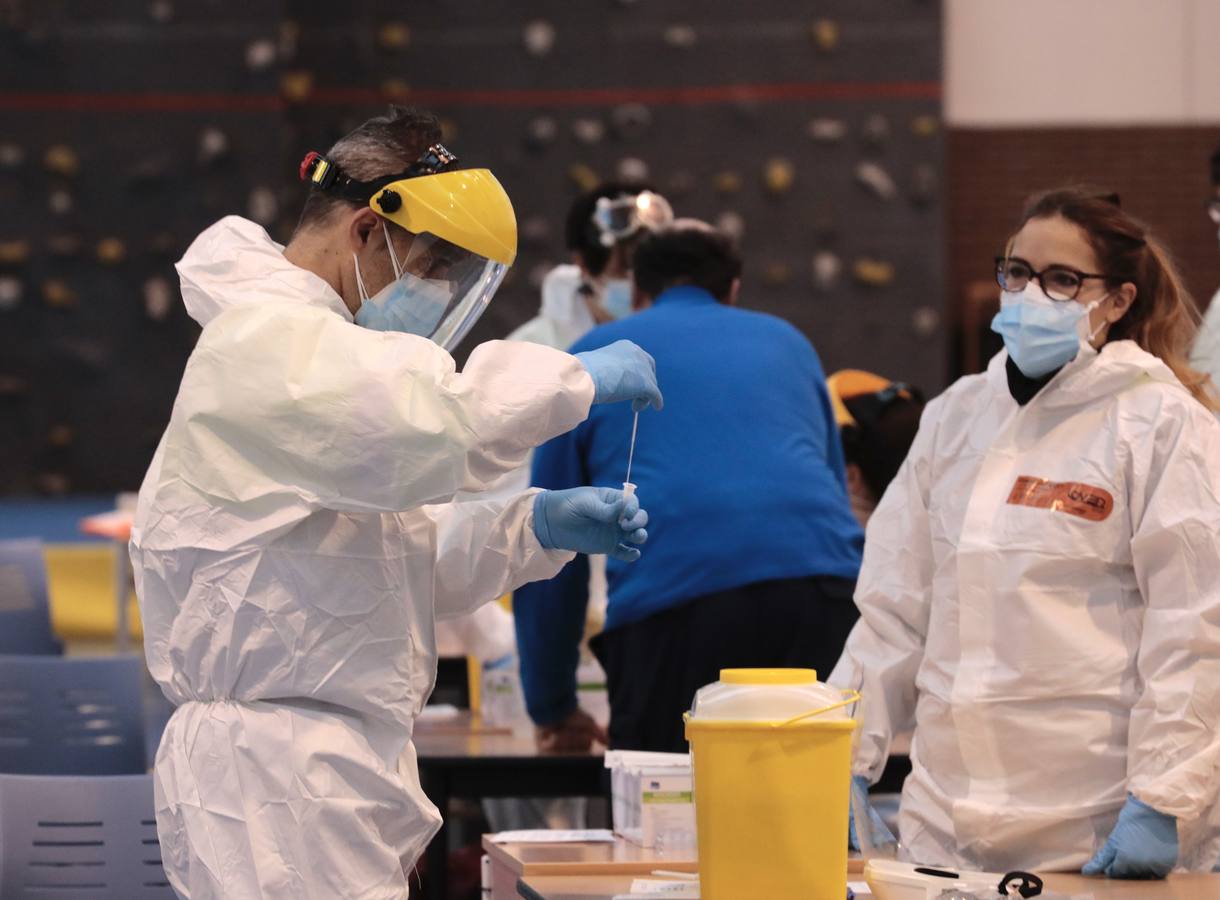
<point>510,863</point>
<point>461,757</point>
<point>117,527</point>
<point>1176,887</point>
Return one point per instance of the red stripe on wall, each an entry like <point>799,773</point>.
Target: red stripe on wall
<point>678,96</point>
<point>141,102</point>
<point>663,96</point>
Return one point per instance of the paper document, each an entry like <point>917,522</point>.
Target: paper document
<point>665,888</point>
<point>438,712</point>
<point>622,759</point>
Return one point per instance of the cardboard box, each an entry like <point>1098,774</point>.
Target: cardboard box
<point>651,798</point>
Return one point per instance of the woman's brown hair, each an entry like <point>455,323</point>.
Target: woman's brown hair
<point>1163,319</point>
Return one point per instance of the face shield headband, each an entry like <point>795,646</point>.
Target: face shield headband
<point>326,176</point>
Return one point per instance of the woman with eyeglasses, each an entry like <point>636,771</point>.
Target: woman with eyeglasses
<point>1040,592</point>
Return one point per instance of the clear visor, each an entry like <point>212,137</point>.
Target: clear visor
<point>620,218</point>
<point>448,287</point>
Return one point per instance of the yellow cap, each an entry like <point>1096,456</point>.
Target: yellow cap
<point>848,383</point>
<point>467,208</point>
<point>768,676</point>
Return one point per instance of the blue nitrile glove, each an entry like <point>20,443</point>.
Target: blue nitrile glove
<point>1143,844</point>
<point>623,371</point>
<point>879,831</point>
<point>590,520</point>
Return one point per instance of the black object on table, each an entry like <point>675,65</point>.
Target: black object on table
<point>452,682</point>
<point>528,892</point>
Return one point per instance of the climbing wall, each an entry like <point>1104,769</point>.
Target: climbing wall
<point>127,127</point>
<point>810,131</point>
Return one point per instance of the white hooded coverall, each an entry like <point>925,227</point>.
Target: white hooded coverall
<point>1040,593</point>
<point>1205,355</point>
<point>293,549</point>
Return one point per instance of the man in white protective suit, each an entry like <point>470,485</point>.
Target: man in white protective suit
<point>295,541</point>
<point>1040,593</point>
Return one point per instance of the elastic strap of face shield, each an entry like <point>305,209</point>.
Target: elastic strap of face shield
<point>325,175</point>
<point>389,245</point>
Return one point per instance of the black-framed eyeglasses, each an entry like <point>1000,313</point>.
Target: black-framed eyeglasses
<point>1213,210</point>
<point>1058,282</point>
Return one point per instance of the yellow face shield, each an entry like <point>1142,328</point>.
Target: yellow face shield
<point>849,384</point>
<point>465,238</point>
<point>467,208</point>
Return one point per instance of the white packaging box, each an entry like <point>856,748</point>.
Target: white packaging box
<point>651,797</point>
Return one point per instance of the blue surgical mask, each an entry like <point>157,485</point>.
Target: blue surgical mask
<point>408,304</point>
<point>1040,334</point>
<point>616,298</point>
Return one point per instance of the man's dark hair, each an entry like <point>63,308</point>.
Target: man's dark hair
<point>1215,161</point>
<point>384,145</point>
<point>582,236</point>
<point>880,441</point>
<point>687,254</point>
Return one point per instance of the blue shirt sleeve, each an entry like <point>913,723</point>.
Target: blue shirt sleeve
<point>834,443</point>
<point>550,615</point>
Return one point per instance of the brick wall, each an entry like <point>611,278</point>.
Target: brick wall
<point>1161,173</point>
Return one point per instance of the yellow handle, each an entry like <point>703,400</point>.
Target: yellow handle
<point>851,697</point>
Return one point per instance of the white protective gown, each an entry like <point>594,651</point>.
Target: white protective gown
<point>1056,644</point>
<point>488,632</point>
<point>1205,355</point>
<point>564,316</point>
<point>563,319</point>
<point>293,549</point>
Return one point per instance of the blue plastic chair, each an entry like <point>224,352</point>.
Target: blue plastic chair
<point>66,716</point>
<point>25,617</point>
<point>75,837</point>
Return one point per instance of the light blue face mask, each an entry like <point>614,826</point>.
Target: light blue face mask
<point>1040,334</point>
<point>616,298</point>
<point>408,304</point>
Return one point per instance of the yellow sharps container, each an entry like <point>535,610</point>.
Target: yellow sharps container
<point>771,750</point>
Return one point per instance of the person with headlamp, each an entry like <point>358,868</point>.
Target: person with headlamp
<point>602,229</point>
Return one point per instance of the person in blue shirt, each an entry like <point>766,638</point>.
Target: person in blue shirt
<point>753,550</point>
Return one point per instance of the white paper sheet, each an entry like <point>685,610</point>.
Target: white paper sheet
<point>667,888</point>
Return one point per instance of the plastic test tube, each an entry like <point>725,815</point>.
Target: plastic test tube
<point>628,485</point>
